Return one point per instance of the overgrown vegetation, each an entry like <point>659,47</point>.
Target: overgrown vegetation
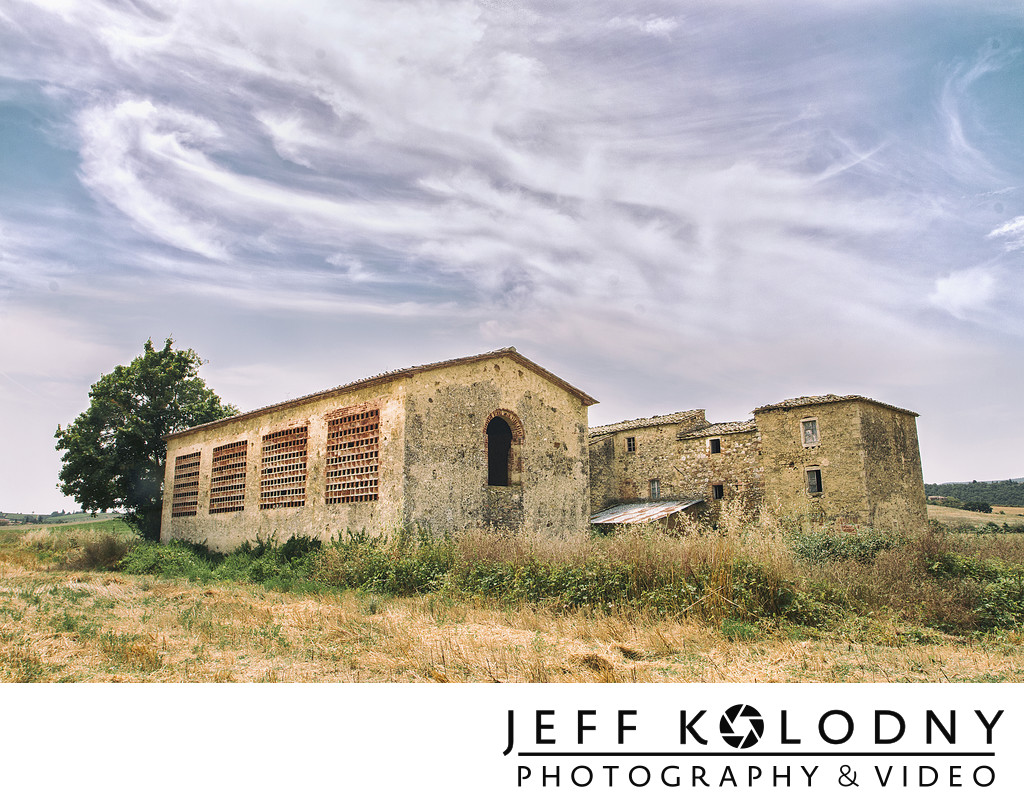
<point>759,572</point>
<point>744,602</point>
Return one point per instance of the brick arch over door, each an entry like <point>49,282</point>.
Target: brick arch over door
<point>503,440</point>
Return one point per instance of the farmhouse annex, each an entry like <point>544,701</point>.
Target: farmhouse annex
<point>816,460</point>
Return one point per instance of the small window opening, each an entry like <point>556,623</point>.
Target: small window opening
<point>499,450</point>
<point>630,444</point>
<point>809,432</point>
<point>813,481</point>
<point>717,491</point>
<point>716,445</point>
<point>655,489</point>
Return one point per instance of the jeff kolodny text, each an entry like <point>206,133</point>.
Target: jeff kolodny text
<point>737,746</point>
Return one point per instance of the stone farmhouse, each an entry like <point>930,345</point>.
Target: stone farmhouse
<point>488,439</point>
<point>817,460</point>
<point>495,439</point>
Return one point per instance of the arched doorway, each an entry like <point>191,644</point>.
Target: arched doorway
<point>503,442</point>
<point>499,451</point>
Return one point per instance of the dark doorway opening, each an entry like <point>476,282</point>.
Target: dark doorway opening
<point>499,448</point>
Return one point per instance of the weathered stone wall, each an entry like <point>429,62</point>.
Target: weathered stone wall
<point>446,450</point>
<point>225,531</point>
<point>603,483</point>
<point>619,475</point>
<point>737,468</point>
<point>892,461</point>
<point>866,454</point>
<point>432,465</point>
<point>839,456</point>
<point>869,461</point>
<point>685,468</point>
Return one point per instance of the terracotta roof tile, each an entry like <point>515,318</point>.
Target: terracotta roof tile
<point>654,420</point>
<point>829,398</point>
<point>370,381</point>
<point>728,428</point>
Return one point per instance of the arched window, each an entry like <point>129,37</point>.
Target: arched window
<point>499,451</point>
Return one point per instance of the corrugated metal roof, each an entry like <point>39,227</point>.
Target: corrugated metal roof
<point>380,378</point>
<point>828,398</point>
<point>637,512</point>
<point>728,428</point>
<point>654,420</point>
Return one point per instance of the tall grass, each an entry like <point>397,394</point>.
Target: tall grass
<point>756,571</point>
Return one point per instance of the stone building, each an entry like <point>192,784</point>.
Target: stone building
<point>842,460</point>
<point>487,439</point>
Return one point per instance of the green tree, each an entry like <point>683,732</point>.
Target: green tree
<point>114,452</point>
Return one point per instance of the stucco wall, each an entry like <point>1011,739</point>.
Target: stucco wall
<point>895,484</point>
<point>446,450</point>
<point>432,459</point>
<point>225,531</point>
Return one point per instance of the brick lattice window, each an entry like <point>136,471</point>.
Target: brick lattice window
<point>283,469</point>
<point>630,444</point>
<point>227,481</point>
<point>185,499</point>
<point>353,446</point>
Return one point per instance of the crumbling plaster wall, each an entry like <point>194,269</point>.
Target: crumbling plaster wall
<point>225,531</point>
<point>892,460</point>
<point>839,456</point>
<point>447,412</point>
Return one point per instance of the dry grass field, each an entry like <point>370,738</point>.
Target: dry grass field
<point>62,625</point>
<point>954,517</point>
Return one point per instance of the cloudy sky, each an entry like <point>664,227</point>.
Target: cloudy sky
<point>669,204</point>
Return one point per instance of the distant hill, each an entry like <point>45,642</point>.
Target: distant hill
<point>1002,492</point>
<point>57,518</point>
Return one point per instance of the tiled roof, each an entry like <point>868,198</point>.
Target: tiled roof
<point>829,398</point>
<point>654,420</point>
<point>711,431</point>
<point>371,381</point>
<point>637,512</point>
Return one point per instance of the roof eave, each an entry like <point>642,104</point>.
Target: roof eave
<point>383,378</point>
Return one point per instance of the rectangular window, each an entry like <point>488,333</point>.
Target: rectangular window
<point>185,498</point>
<point>813,481</point>
<point>809,432</point>
<point>353,446</point>
<point>227,478</point>
<point>630,444</point>
<point>717,491</point>
<point>283,469</point>
<point>655,489</point>
<point>715,445</point>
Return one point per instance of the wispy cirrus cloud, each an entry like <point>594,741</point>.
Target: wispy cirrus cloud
<point>728,194</point>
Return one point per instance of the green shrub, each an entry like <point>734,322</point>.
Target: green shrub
<point>174,560</point>
<point>949,565</point>
<point>1001,603</point>
<point>832,545</point>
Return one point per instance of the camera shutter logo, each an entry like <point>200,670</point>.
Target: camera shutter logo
<point>741,726</point>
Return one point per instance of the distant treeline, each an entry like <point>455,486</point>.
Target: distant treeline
<point>1003,492</point>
